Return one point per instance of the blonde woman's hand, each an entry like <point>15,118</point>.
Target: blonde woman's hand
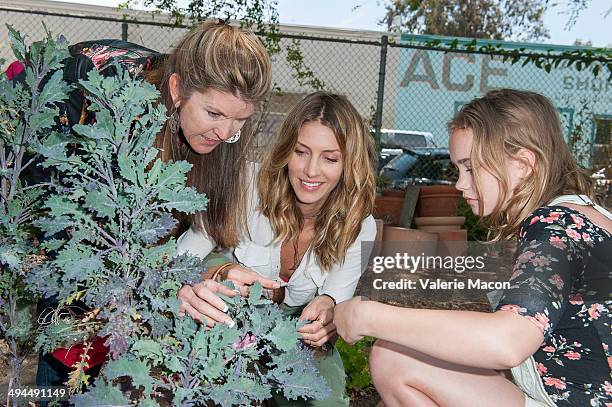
<point>349,316</point>
<point>321,312</point>
<point>200,300</point>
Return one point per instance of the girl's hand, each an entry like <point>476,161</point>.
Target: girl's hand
<point>322,329</point>
<point>201,300</point>
<point>348,317</point>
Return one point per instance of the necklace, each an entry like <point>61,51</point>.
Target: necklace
<point>297,259</point>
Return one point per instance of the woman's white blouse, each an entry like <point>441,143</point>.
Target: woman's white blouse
<point>259,253</point>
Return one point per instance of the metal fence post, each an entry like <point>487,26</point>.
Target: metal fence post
<point>381,88</point>
<point>124,31</point>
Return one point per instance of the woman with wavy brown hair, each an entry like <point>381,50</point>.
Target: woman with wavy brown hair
<point>310,210</point>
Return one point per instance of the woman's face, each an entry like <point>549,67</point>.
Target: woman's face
<point>460,144</point>
<point>208,118</point>
<point>315,166</point>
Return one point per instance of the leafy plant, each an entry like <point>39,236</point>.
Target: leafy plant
<point>475,226</point>
<point>230,366</point>
<point>27,113</point>
<point>116,199</point>
<point>355,360</point>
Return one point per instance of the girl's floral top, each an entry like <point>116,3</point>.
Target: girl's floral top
<point>562,283</point>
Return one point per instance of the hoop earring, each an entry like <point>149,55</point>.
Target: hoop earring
<point>234,138</point>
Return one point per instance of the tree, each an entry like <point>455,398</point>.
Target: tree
<point>494,19</point>
<point>258,15</point>
<point>575,7</point>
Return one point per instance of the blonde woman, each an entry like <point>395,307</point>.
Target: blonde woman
<point>211,84</point>
<point>552,326</point>
<point>310,212</point>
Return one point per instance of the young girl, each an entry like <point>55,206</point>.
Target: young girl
<point>309,215</point>
<point>552,327</point>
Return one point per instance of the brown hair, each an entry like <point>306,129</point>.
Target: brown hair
<point>218,56</point>
<point>339,222</point>
<point>503,122</point>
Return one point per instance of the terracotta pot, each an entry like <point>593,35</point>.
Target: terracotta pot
<point>438,200</point>
<point>452,242</point>
<point>388,208</point>
<point>411,241</point>
<point>439,223</point>
<point>394,192</point>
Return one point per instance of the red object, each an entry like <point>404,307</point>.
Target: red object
<point>14,69</point>
<point>285,279</point>
<point>98,353</point>
<point>389,208</point>
<point>438,200</point>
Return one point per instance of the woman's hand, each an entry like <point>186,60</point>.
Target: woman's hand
<point>322,329</point>
<point>348,317</point>
<point>243,277</point>
<point>201,300</point>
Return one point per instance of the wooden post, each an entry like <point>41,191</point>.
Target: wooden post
<point>410,203</point>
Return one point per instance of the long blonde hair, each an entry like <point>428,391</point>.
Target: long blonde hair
<point>352,200</point>
<point>503,122</point>
<point>218,56</point>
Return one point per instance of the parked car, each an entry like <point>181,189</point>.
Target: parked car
<point>419,166</point>
<point>387,154</point>
<point>398,139</point>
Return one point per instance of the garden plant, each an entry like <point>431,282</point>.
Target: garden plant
<point>108,257</point>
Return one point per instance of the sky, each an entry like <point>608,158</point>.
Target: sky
<point>592,25</point>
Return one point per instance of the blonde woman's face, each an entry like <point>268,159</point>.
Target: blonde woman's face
<point>208,118</point>
<point>460,145</point>
<point>315,166</point>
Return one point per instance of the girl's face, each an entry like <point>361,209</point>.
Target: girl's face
<point>208,118</point>
<point>315,166</point>
<point>460,144</point>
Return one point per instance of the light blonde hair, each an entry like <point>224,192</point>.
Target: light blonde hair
<point>339,222</point>
<point>215,55</point>
<point>503,122</point>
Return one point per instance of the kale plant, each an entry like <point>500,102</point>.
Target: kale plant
<point>27,114</point>
<point>107,233</point>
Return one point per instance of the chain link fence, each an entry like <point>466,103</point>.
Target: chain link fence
<point>407,89</point>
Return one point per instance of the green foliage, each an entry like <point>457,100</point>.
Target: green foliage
<point>27,113</point>
<point>476,229</point>
<point>355,360</point>
<point>258,15</point>
<point>301,72</point>
<point>595,59</point>
<point>229,366</point>
<point>106,227</point>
